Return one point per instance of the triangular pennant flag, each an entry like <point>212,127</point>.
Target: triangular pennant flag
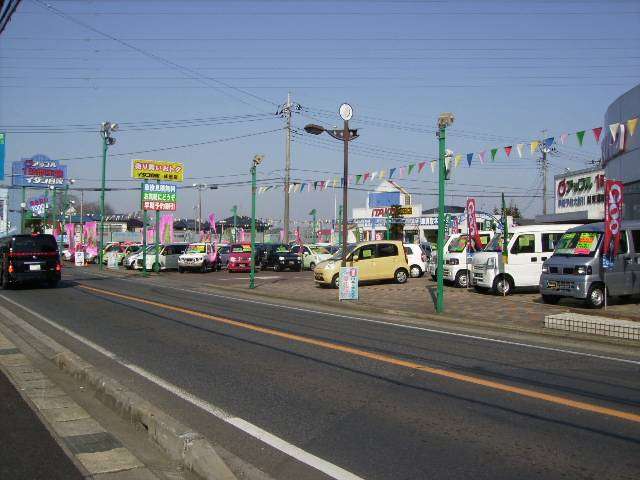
<point>358,178</point>
<point>520,148</point>
<point>548,142</point>
<point>580,136</point>
<point>366,177</point>
<point>401,172</point>
<point>374,175</point>
<point>315,185</point>
<point>421,166</point>
<point>534,146</point>
<point>391,172</point>
<point>335,181</point>
<point>350,179</point>
<point>447,162</point>
<point>613,128</point>
<point>596,133</point>
<point>382,174</point>
<point>481,154</point>
<point>563,138</point>
<point>433,166</point>
<point>469,158</point>
<point>493,154</point>
<point>308,185</point>
<point>631,126</point>
<point>457,160</point>
<point>410,168</point>
<point>507,150</point>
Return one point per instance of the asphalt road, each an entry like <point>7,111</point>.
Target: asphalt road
<point>298,393</point>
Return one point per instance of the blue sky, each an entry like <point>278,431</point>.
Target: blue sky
<point>171,71</point>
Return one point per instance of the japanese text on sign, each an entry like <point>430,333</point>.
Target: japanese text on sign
<point>348,283</point>
<point>157,170</point>
<point>159,196</point>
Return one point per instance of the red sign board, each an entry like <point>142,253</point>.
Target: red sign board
<point>612,216</point>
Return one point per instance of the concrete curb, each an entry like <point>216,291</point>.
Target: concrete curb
<point>182,444</point>
<point>431,317</point>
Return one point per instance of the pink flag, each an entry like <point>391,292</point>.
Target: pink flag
<point>70,232</point>
<point>241,235</point>
<point>563,138</point>
<point>421,166</point>
<point>596,133</point>
<point>298,238</point>
<point>166,228</point>
<point>91,237</point>
<point>281,235</point>
<point>482,153</point>
<point>212,222</point>
<point>151,235</point>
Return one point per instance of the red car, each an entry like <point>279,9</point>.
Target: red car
<point>240,258</point>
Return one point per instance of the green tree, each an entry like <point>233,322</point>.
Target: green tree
<point>512,210</point>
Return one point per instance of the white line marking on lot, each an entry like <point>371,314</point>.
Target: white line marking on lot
<point>249,428</point>
<point>400,325</point>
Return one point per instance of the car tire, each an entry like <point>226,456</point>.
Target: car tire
<point>503,285</point>
<point>550,299</point>
<point>595,296</point>
<point>5,281</point>
<point>276,268</point>
<point>462,279</point>
<point>335,281</point>
<point>180,270</point>
<point>204,268</point>
<point>415,271</point>
<point>401,276</point>
<point>53,283</point>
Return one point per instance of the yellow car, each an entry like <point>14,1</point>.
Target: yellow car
<point>378,260</point>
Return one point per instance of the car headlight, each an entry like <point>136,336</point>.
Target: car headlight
<point>453,261</point>
<point>491,262</point>
<point>329,265</point>
<point>582,270</point>
<point>545,269</point>
<point>280,258</point>
<point>232,259</point>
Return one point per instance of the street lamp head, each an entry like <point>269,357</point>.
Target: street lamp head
<point>257,160</point>
<point>194,185</point>
<point>213,187</point>
<point>111,140</point>
<point>72,181</point>
<point>313,129</point>
<point>445,119</point>
<point>51,187</point>
<point>346,112</point>
<point>114,127</point>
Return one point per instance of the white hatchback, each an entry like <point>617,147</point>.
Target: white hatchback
<point>416,258</point>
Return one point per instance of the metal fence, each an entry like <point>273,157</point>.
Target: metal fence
<point>593,325</point>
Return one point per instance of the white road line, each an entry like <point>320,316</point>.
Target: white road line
<point>408,327</point>
<point>249,428</point>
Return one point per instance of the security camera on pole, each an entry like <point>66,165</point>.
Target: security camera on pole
<point>444,120</point>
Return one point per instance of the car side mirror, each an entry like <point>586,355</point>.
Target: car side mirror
<point>355,258</point>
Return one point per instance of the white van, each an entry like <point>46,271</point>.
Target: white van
<point>168,258</point>
<point>528,247</point>
<point>458,258</point>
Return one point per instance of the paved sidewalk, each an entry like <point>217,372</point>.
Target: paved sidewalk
<point>414,299</point>
<point>30,452</point>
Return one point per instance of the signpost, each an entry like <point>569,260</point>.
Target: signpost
<point>159,196</point>
<point>348,283</point>
<point>38,170</point>
<point>79,258</point>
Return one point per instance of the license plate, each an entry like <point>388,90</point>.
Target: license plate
<point>291,262</point>
<point>34,267</point>
<point>552,284</point>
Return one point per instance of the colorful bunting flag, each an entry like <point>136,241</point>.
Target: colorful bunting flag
<point>481,154</point>
<point>358,178</point>
<point>447,162</point>
<point>382,174</point>
<point>410,168</point>
<point>433,166</point>
<point>534,146</point>
<point>548,142</point>
<point>469,158</point>
<point>401,172</point>
<point>520,148</point>
<point>493,154</point>
<point>596,133</point>
<point>631,126</point>
<point>580,136</point>
<point>613,128</point>
<point>391,172</point>
<point>421,166</point>
<point>457,160</point>
<point>507,150</point>
<point>374,175</point>
<point>563,138</point>
<point>366,177</point>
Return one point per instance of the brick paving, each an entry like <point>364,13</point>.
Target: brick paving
<point>414,298</point>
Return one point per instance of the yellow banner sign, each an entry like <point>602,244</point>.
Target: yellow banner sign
<point>157,170</point>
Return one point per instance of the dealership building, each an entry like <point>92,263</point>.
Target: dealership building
<point>621,158</point>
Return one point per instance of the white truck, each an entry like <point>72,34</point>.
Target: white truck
<point>458,258</point>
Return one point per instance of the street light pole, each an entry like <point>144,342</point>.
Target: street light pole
<point>444,121</point>
<point>256,161</point>
<point>105,129</point>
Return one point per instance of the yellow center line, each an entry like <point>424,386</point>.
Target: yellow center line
<point>385,359</point>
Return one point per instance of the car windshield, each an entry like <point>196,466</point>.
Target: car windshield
<point>458,245</point>
<point>578,244</point>
<point>338,254</point>
<point>320,250</point>
<point>197,249</point>
<point>44,243</point>
<point>495,245</point>
<point>241,249</point>
<point>133,249</point>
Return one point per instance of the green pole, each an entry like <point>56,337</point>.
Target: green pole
<point>388,227</point>
<point>441,175</point>
<point>104,171</point>
<point>145,220</point>
<point>252,275</point>
<point>24,200</point>
<point>156,263</point>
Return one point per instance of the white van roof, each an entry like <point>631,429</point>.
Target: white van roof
<point>543,227</point>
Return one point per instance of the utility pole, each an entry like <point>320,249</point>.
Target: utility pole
<point>287,168</point>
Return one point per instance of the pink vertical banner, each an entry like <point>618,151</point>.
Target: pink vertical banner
<point>214,235</point>
<point>71,240</point>
<point>91,238</point>
<point>281,235</point>
<point>151,235</point>
<point>242,235</point>
<point>166,229</point>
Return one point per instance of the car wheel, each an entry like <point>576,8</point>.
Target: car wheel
<point>312,266</point>
<point>276,268</point>
<point>503,285</point>
<point>550,299</point>
<point>53,283</point>
<point>204,268</point>
<point>5,281</point>
<point>180,270</point>
<point>401,275</point>
<point>415,271</point>
<point>335,281</point>
<point>595,297</point>
<point>462,280</point>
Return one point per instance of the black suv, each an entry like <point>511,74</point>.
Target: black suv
<point>268,257</point>
<point>27,258</point>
